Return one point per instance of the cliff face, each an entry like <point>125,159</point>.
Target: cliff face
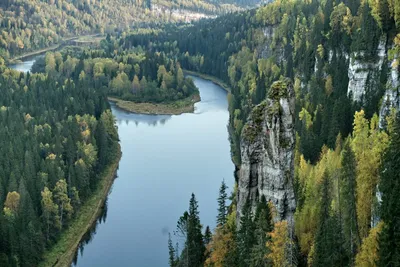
<point>267,152</point>
<point>391,99</point>
<point>364,74</point>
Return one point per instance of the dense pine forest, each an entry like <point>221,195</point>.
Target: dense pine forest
<point>133,75</point>
<point>57,137</point>
<point>345,175</point>
<point>30,25</point>
<point>337,59</point>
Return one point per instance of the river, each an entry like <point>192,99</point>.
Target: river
<point>164,160</point>
<point>26,63</point>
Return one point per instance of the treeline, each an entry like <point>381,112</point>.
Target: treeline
<point>339,203</point>
<point>312,43</point>
<point>339,221</point>
<point>28,25</point>
<point>258,242</point>
<point>56,138</point>
<point>31,25</point>
<point>136,76</point>
<point>308,42</point>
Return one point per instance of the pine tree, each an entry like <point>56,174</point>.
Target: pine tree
<point>171,252</point>
<point>222,209</point>
<point>263,225</point>
<point>194,242</point>
<point>389,239</point>
<point>328,236</point>
<point>245,235</point>
<point>207,235</point>
<point>348,201</point>
<point>263,217</point>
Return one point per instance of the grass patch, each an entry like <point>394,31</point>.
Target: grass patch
<point>62,253</point>
<point>176,108</point>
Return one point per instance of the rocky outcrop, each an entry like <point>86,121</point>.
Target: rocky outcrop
<point>364,74</point>
<point>267,152</point>
<point>391,99</point>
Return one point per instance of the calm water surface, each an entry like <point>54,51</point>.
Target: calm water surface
<point>26,64</point>
<point>164,160</point>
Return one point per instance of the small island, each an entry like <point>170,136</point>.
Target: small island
<point>175,108</point>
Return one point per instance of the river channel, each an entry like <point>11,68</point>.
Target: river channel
<point>164,159</point>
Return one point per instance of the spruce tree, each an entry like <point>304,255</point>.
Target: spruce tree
<point>245,236</point>
<point>328,236</point>
<point>171,252</point>
<point>207,236</point>
<point>263,217</point>
<point>389,238</point>
<point>347,202</point>
<point>222,209</point>
<point>263,225</point>
<point>194,242</point>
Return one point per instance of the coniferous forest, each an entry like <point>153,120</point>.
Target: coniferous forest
<point>337,59</point>
<point>57,137</point>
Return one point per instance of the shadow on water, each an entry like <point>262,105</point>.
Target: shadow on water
<point>89,235</point>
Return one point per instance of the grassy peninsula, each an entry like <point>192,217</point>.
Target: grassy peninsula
<point>175,108</point>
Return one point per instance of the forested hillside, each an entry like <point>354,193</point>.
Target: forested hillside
<point>341,57</point>
<point>57,138</point>
<point>30,25</point>
<point>314,125</point>
<point>133,75</point>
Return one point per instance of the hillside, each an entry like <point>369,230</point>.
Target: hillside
<point>341,61</point>
<point>30,25</point>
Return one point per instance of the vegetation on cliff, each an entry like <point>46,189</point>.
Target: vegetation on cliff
<point>313,44</point>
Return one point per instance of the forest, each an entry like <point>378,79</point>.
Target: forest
<point>344,172</point>
<point>28,25</point>
<point>134,75</point>
<point>58,135</point>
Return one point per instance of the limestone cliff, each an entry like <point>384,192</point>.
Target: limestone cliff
<point>267,152</point>
<point>391,99</point>
<point>364,74</point>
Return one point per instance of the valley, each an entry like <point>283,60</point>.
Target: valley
<point>289,107</point>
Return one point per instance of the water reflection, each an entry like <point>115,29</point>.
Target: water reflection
<point>26,65</point>
<point>164,159</point>
<point>124,117</point>
<point>89,235</point>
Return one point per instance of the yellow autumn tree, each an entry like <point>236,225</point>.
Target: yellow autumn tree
<point>368,255</point>
<point>12,201</point>
<point>309,178</point>
<point>219,247</point>
<point>368,145</point>
<point>278,244</point>
<point>222,242</point>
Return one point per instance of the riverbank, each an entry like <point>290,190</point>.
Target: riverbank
<point>63,252</point>
<point>18,59</point>
<point>176,108</point>
<point>33,53</point>
<point>213,79</point>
